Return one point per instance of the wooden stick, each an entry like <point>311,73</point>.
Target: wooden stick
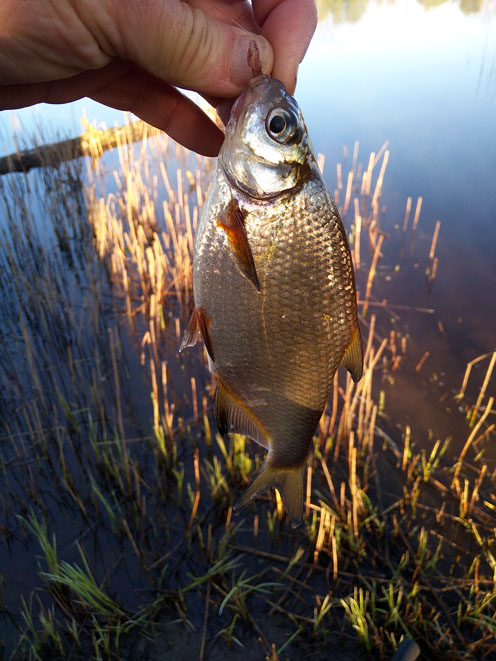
<point>407,214</point>
<point>417,214</point>
<point>54,154</point>
<point>467,373</point>
<point>372,271</point>
<point>349,186</point>
<point>422,361</point>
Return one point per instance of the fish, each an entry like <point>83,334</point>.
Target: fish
<point>274,287</point>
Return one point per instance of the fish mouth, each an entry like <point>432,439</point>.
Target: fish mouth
<point>238,107</point>
<point>257,80</point>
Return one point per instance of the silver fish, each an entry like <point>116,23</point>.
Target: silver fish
<point>274,288</point>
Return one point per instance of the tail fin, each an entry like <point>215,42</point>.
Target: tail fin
<point>288,482</point>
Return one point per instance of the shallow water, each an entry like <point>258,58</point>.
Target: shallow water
<point>422,79</point>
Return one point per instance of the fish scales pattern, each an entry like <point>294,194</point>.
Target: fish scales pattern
<point>274,288</point>
<point>277,350</point>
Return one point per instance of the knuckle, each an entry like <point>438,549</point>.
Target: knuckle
<point>195,46</point>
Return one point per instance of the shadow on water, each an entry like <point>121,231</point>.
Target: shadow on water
<point>117,537</point>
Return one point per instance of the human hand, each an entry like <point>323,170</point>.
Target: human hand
<point>133,56</point>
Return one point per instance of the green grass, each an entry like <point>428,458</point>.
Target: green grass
<point>117,536</point>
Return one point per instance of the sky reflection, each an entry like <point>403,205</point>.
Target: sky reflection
<point>422,78</point>
<point>425,80</point>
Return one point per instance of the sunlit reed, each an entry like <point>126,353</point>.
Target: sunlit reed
<point>109,434</point>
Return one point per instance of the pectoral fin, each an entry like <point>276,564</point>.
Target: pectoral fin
<point>353,356</point>
<point>232,416</point>
<point>198,323</point>
<point>289,483</point>
<point>232,221</point>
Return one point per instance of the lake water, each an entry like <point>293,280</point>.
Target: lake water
<point>424,78</point>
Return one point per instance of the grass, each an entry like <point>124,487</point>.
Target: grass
<point>117,537</point>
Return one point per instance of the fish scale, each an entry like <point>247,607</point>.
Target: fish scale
<point>274,288</point>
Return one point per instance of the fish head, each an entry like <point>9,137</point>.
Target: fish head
<point>266,150</point>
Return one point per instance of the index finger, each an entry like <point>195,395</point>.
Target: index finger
<point>289,26</point>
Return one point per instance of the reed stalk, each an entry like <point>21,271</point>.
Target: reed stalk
<point>397,541</point>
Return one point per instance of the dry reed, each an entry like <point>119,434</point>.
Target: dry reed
<point>396,541</point>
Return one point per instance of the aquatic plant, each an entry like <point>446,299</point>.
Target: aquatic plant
<point>117,536</point>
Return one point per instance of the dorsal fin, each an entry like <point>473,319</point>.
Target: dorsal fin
<point>232,221</point>
<point>198,323</point>
<point>353,356</point>
<point>234,417</point>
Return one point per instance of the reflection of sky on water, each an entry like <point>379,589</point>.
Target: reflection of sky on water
<point>425,80</point>
<point>422,78</point>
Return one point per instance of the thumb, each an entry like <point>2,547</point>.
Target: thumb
<point>184,45</point>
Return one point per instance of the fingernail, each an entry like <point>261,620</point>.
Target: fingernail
<point>240,70</point>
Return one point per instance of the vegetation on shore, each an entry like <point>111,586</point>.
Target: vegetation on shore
<point>117,537</point>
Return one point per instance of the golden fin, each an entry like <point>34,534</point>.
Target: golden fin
<point>232,221</point>
<point>353,356</point>
<point>288,482</point>
<point>231,416</point>
<point>190,337</point>
<point>198,323</point>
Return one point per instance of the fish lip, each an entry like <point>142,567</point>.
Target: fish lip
<point>237,108</point>
<point>257,80</point>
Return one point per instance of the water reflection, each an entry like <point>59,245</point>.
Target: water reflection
<point>375,72</point>
<point>351,11</point>
<point>421,75</point>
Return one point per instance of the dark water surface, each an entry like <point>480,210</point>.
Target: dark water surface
<point>423,79</point>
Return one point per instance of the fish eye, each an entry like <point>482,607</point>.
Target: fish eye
<point>282,125</point>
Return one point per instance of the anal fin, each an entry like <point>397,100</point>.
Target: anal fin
<point>288,482</point>
<point>233,417</point>
<point>353,356</point>
<point>232,221</point>
<point>198,323</point>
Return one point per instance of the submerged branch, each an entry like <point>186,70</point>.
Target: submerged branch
<point>93,142</point>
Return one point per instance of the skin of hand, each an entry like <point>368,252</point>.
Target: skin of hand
<point>134,55</point>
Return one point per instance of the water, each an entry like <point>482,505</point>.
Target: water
<point>425,80</point>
